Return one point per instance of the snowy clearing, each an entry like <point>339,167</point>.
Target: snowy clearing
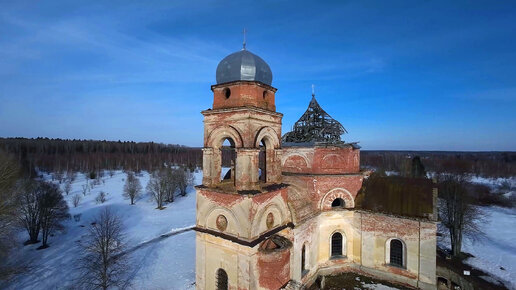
<point>161,248</point>
<point>498,249</point>
<point>161,244</point>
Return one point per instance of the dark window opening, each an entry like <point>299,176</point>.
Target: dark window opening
<point>264,94</point>
<point>442,283</point>
<point>227,93</point>
<point>303,261</point>
<point>338,202</point>
<point>336,244</point>
<point>396,258</point>
<point>222,280</point>
<point>262,162</point>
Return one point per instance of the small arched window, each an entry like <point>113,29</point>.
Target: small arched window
<point>227,93</point>
<point>338,203</point>
<point>336,245</point>
<point>222,280</point>
<point>396,253</point>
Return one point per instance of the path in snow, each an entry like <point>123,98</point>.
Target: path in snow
<point>158,238</point>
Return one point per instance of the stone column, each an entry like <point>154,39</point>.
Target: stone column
<point>207,166</point>
<point>275,176</point>
<point>246,176</point>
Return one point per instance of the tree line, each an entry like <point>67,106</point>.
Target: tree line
<point>487,164</point>
<point>64,155</point>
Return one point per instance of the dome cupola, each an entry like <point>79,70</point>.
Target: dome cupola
<point>243,66</point>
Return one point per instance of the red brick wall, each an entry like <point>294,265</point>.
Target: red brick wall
<point>320,160</point>
<point>244,94</point>
<point>274,269</point>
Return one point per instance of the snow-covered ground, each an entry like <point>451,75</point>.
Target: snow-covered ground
<point>169,262</point>
<point>157,263</point>
<point>498,249</point>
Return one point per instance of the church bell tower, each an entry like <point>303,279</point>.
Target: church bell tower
<point>242,216</point>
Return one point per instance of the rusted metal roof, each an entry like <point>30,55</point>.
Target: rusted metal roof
<point>403,196</point>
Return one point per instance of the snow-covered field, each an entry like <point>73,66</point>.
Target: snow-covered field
<point>157,263</point>
<point>169,262</point>
<point>498,249</point>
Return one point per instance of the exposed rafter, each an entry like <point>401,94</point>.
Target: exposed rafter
<point>315,126</point>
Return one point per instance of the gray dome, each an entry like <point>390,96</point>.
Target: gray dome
<point>243,66</point>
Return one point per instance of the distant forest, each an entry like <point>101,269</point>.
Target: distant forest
<point>63,155</point>
<point>487,164</point>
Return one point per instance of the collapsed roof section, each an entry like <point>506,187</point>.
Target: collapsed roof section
<point>315,126</point>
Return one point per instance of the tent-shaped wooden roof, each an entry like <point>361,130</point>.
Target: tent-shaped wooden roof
<point>315,125</point>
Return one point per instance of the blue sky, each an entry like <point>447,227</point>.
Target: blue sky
<point>416,75</point>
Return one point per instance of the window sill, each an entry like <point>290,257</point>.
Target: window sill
<point>396,266</point>
<point>338,257</point>
<point>304,272</point>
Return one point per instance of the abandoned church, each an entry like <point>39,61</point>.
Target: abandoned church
<point>292,208</point>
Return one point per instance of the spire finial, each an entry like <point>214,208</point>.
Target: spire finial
<point>244,43</point>
<point>313,90</point>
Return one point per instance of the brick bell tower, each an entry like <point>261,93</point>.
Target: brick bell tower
<point>242,215</point>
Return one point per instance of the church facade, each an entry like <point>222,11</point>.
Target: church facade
<point>286,212</point>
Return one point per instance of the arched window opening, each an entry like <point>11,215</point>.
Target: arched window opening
<point>222,280</point>
<point>228,160</point>
<point>227,93</point>
<point>336,245</point>
<point>338,203</point>
<point>262,162</point>
<point>396,253</point>
<point>442,283</point>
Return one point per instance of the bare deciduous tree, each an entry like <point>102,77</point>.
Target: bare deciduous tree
<point>29,193</point>
<point>103,264</point>
<point>85,188</point>
<point>76,200</point>
<point>183,179</point>
<point>457,212</point>
<point>168,177</point>
<point>101,197</point>
<point>158,187</point>
<point>53,210</point>
<point>132,187</point>
<point>68,186</point>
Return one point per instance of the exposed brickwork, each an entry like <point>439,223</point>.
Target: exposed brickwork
<point>321,160</point>
<point>221,199</point>
<point>246,128</point>
<point>274,268</point>
<point>244,94</point>
<point>407,229</point>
